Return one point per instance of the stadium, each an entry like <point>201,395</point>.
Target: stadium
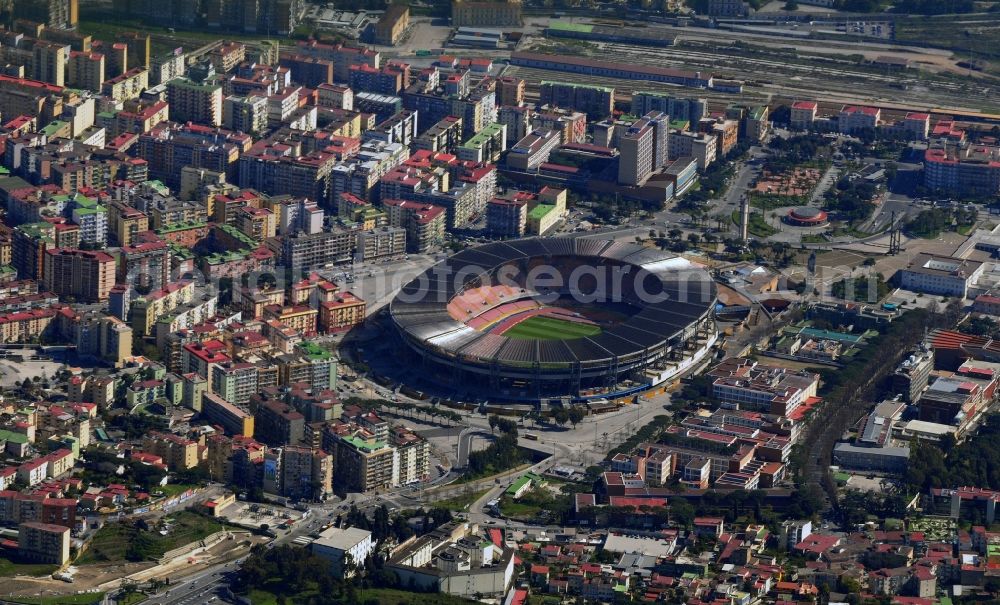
<point>555,318</point>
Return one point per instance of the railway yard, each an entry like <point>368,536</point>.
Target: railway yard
<point>808,70</point>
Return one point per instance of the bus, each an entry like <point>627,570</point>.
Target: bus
<point>531,436</point>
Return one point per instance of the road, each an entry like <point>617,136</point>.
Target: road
<point>746,172</point>
<point>196,589</point>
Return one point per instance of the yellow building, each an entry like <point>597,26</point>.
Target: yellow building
<point>127,86</point>
<point>253,301</point>
<point>126,222</point>
<point>43,543</point>
<point>233,419</point>
<point>299,317</point>
<point>348,126</point>
<point>226,57</point>
<point>148,309</point>
<point>139,45</point>
<point>50,59</point>
<point>177,452</point>
<point>546,210</point>
<point>392,24</point>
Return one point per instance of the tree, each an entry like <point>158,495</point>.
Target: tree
<point>127,587</point>
<point>791,5</point>
<point>681,512</point>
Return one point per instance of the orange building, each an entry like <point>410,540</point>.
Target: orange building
<point>342,313</point>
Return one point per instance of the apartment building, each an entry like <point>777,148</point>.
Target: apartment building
<point>23,326</point>
<point>257,223</point>
<point>363,463</point>
<point>392,24</point>
<point>683,109</point>
<point>381,243</point>
<point>510,91</point>
<point>233,419</point>
<point>176,451</point>
<point>390,79</point>
<point>49,60</point>
<point>345,311</point>
<point>306,251</point>
<point>308,71</point>
<point>335,96</point>
<point>92,218</point>
<point>571,124</point>
<point>279,424</point>
<point>147,310</point>
<point>192,101</point>
<point>234,382</point>
<point>342,56</point>
<point>128,85</point>
<point>443,136</point>
<point>424,223</point>
<point>57,14</point>
<point>533,150</point>
<point>168,148</point>
<point>413,453</point>
<point>598,102</point>
<point>43,543</point>
<point>125,223</point>
<point>245,114</point>
<point>507,217</point>
<point>85,70</point>
<point>636,153</point>
<point>88,276</point>
<point>486,14</point>
<point>963,169</point>
<point>360,175</point>
<point>166,67</point>
<point>275,170</point>
<point>700,146</point>
<point>306,473</point>
<point>145,265</point>
<point>486,146</point>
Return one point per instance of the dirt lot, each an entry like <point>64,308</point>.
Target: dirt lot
<point>107,576</point>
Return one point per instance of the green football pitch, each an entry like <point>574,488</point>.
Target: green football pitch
<point>550,328</point>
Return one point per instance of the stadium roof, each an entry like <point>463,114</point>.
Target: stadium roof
<point>680,295</point>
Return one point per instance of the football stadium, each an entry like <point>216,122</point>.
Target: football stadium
<point>555,318</point>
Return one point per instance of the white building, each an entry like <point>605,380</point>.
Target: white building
<point>803,114</point>
<point>300,215</point>
<point>942,275</point>
<point>702,147</point>
<point>795,532</point>
<point>856,118</point>
<point>456,560</point>
<point>245,114</point>
<point>334,544</point>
